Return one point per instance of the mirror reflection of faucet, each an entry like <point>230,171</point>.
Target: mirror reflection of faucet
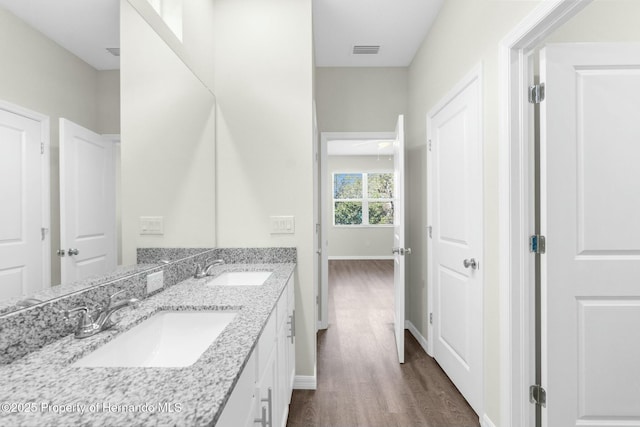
<point>90,323</point>
<point>207,269</point>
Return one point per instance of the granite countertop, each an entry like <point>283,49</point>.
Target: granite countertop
<point>43,389</point>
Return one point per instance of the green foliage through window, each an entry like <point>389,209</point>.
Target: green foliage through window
<point>363,198</point>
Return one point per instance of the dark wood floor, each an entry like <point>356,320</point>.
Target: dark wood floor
<point>360,382</point>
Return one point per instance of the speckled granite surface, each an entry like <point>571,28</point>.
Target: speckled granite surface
<point>62,290</point>
<point>44,381</point>
<point>27,330</point>
<point>156,255</point>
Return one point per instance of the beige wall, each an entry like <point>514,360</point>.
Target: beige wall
<point>168,148</point>
<point>356,241</point>
<point>465,33</point>
<point>360,99</point>
<point>263,84</point>
<point>108,92</point>
<point>602,21</point>
<point>40,75</point>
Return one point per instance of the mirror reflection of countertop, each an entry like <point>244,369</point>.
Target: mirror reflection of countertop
<point>43,389</point>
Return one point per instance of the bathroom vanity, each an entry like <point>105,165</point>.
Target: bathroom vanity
<point>244,377</point>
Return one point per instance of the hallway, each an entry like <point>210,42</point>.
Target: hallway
<point>360,382</point>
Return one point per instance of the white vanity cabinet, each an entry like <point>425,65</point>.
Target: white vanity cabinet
<point>266,382</point>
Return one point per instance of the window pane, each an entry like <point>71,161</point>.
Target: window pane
<point>347,186</point>
<point>348,213</point>
<point>380,213</point>
<point>380,185</point>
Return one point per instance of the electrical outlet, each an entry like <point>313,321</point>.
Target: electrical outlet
<point>282,224</point>
<point>155,281</point>
<point>151,225</point>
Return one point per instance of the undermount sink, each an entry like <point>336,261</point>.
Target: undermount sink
<point>167,339</point>
<point>240,278</point>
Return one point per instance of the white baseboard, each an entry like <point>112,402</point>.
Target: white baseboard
<point>417,335</point>
<point>304,382</point>
<point>486,421</point>
<point>356,258</point>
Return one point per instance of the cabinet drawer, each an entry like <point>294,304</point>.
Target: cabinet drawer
<point>282,308</point>
<point>291,291</point>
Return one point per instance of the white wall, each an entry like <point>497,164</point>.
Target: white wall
<point>40,75</point>
<point>360,99</point>
<point>168,148</point>
<point>263,84</point>
<point>356,241</point>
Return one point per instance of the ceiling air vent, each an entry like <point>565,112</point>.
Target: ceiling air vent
<point>115,51</point>
<point>366,50</point>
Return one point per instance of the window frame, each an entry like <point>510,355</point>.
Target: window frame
<point>365,199</point>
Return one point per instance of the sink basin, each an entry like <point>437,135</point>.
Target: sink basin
<point>240,278</point>
<point>167,339</point>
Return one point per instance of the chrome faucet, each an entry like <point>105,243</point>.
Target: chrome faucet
<point>206,270</point>
<point>91,323</point>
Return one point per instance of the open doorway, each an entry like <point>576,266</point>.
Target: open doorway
<point>361,204</point>
<point>350,163</point>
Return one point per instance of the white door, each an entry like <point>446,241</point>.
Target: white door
<point>590,205</point>
<point>456,275</point>
<point>399,250</point>
<point>21,264</point>
<point>87,203</point>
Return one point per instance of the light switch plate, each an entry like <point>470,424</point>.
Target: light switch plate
<point>155,281</point>
<point>282,224</point>
<point>151,225</point>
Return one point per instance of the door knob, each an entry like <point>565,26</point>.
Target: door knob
<point>61,252</point>
<point>73,252</point>
<point>401,251</point>
<point>470,263</point>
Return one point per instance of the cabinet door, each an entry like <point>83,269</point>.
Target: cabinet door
<point>291,344</point>
<point>267,397</point>
<point>283,377</point>
<point>242,397</point>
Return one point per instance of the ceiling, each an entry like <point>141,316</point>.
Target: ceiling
<point>397,26</point>
<point>88,27</point>
<point>359,147</point>
<point>84,27</point>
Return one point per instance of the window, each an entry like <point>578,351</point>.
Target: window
<point>363,199</point>
<point>171,13</point>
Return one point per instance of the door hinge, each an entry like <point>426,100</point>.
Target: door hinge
<point>538,395</point>
<point>537,244</point>
<point>431,318</point>
<point>43,232</point>
<point>42,148</point>
<point>430,230</point>
<point>536,93</point>
<point>429,145</point>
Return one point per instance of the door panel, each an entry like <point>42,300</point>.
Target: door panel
<point>21,268</point>
<point>87,202</point>
<point>456,197</point>
<point>398,238</point>
<point>589,209</point>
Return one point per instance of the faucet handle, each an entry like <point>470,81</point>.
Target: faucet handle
<point>84,319</point>
<point>199,273</point>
